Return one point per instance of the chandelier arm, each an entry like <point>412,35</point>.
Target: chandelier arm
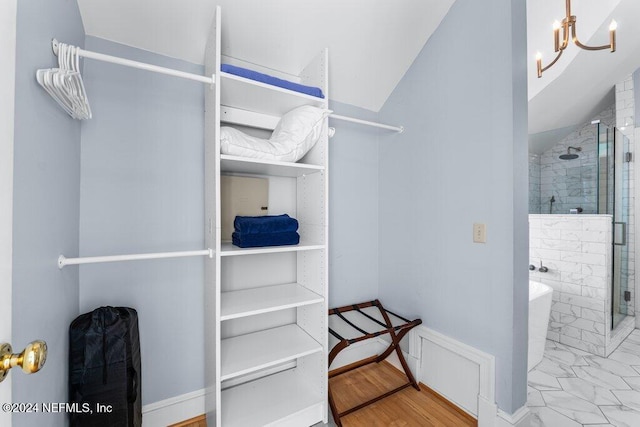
<point>580,45</point>
<point>542,70</point>
<point>565,34</point>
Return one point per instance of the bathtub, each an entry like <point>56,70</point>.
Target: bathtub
<point>539,313</point>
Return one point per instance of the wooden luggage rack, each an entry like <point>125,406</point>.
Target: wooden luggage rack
<point>395,331</point>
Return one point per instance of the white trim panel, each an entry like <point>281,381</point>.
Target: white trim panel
<point>459,372</point>
<point>462,374</point>
<point>8,16</point>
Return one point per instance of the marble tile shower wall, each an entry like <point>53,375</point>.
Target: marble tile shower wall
<point>572,183</point>
<point>577,251</point>
<point>534,183</point>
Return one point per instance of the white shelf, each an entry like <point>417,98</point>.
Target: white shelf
<point>247,94</point>
<point>235,164</point>
<point>227,249</point>
<point>269,377</point>
<point>249,302</point>
<point>273,401</point>
<point>248,353</point>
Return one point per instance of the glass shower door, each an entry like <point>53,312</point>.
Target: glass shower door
<point>620,297</point>
<point>613,199</point>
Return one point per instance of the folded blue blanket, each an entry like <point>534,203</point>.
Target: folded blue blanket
<point>265,239</point>
<point>265,78</point>
<point>265,224</point>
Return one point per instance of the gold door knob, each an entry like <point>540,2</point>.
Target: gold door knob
<point>30,360</point>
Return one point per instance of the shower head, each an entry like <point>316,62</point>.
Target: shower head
<point>570,156</point>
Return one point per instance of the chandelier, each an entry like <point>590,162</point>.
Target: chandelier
<point>569,25</point>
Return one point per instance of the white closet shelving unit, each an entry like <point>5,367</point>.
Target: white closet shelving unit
<point>267,307</point>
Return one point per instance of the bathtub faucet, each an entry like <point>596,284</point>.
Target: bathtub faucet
<point>542,268</point>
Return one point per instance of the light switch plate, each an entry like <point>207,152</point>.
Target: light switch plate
<point>479,233</point>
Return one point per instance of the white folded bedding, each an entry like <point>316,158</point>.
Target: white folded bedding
<point>296,133</point>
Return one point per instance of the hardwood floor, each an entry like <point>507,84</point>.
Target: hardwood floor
<point>200,421</point>
<point>406,408</point>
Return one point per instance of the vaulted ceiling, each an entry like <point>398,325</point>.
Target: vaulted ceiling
<point>373,42</point>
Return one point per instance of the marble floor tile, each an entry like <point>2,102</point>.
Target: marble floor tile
<point>573,350</point>
<point>600,377</point>
<point>621,416</point>
<point>588,391</point>
<point>629,398</point>
<point>563,355</point>
<point>634,336</point>
<point>557,369</point>
<point>542,381</point>
<point>625,357</point>
<point>633,339</point>
<point>611,366</point>
<point>534,398</point>
<point>629,347</point>
<point>546,417</point>
<point>634,382</point>
<point>572,388</point>
<point>573,407</point>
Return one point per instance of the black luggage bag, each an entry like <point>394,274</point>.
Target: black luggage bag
<point>104,369</point>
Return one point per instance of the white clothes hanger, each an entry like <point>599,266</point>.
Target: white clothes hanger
<point>65,84</point>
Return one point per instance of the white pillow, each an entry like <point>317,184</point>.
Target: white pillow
<point>296,133</point>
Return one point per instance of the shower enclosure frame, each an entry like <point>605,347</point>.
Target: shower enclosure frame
<point>612,191</point>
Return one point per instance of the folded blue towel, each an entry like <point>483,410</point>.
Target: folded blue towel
<point>265,224</point>
<point>270,80</point>
<point>265,239</point>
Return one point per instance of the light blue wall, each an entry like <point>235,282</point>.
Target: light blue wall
<point>353,209</point>
<point>142,191</point>
<point>45,207</point>
<point>462,159</point>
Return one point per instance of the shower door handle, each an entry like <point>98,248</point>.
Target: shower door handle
<point>619,233</point>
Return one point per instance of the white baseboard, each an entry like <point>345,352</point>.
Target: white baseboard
<point>487,412</point>
<point>520,418</point>
<point>174,409</point>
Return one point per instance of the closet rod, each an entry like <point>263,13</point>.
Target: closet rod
<point>63,261</point>
<point>366,122</point>
<point>204,79</point>
<point>136,64</point>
